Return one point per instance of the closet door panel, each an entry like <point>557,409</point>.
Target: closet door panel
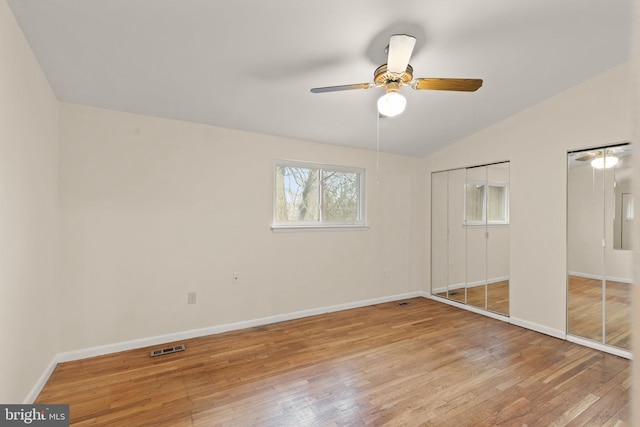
<point>585,262</point>
<point>470,236</point>
<point>476,236</point>
<point>618,223</point>
<point>439,233</point>
<point>457,240</point>
<point>498,238</point>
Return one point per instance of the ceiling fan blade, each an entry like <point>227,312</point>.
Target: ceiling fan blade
<point>342,87</point>
<point>400,50</point>
<point>589,156</point>
<point>464,85</point>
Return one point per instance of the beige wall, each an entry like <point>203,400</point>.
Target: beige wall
<point>155,208</point>
<point>29,303</point>
<point>536,142</point>
<point>635,346</point>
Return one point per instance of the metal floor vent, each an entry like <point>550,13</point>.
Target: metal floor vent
<point>404,303</point>
<point>168,350</point>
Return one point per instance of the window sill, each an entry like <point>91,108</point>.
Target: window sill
<point>482,224</point>
<point>294,228</point>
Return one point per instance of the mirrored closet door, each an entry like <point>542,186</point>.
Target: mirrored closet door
<point>498,238</point>
<point>448,261</point>
<point>599,261</point>
<point>470,236</point>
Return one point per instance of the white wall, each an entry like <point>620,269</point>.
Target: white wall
<point>635,92</point>
<point>536,142</point>
<point>155,208</point>
<point>28,215</point>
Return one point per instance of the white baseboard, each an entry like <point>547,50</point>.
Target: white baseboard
<point>443,289</point>
<point>597,277</point>
<point>489,281</point>
<point>37,388</point>
<point>469,308</point>
<point>556,333</point>
<point>69,356</point>
<point>599,346</point>
<point>470,284</point>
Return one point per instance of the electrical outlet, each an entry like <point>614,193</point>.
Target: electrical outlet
<point>192,297</point>
<point>235,278</point>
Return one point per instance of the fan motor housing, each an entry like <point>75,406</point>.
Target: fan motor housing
<point>382,76</point>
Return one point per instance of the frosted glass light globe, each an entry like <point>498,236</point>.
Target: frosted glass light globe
<point>391,104</point>
<point>607,162</point>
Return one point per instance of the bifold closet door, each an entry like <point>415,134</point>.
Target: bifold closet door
<point>439,233</point>
<point>457,255</point>
<point>585,248</point>
<point>476,236</point>
<point>470,236</point>
<point>619,214</point>
<point>599,262</point>
<point>498,238</point>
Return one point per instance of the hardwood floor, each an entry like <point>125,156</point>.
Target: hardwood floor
<point>585,307</point>
<point>497,299</point>
<point>426,363</point>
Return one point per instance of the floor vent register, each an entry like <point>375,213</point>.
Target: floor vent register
<point>168,350</point>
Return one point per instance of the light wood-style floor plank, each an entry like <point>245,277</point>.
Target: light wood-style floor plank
<point>585,308</point>
<point>423,364</point>
<point>496,299</point>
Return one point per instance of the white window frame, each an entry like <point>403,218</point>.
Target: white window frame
<point>359,224</point>
<point>484,221</point>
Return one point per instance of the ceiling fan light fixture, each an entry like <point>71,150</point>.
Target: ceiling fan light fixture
<point>391,104</point>
<point>397,72</point>
<point>604,162</point>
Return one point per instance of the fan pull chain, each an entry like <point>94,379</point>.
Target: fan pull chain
<point>377,147</point>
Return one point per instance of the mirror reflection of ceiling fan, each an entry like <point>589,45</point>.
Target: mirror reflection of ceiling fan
<point>397,73</point>
<point>604,158</point>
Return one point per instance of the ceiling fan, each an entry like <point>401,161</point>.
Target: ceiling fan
<point>604,158</point>
<point>397,73</point>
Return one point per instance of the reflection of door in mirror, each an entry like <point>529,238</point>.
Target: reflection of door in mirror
<point>599,273</point>
<point>626,215</point>
<point>623,216</point>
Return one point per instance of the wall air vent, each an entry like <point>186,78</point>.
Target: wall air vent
<point>168,350</point>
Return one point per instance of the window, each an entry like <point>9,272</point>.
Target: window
<point>486,203</point>
<point>312,195</point>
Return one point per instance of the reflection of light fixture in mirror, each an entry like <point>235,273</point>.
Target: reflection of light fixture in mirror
<point>605,162</point>
<point>392,103</point>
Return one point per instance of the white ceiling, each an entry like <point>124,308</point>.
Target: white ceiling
<point>250,64</point>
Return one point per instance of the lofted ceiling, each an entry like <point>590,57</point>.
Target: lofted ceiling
<point>250,64</point>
